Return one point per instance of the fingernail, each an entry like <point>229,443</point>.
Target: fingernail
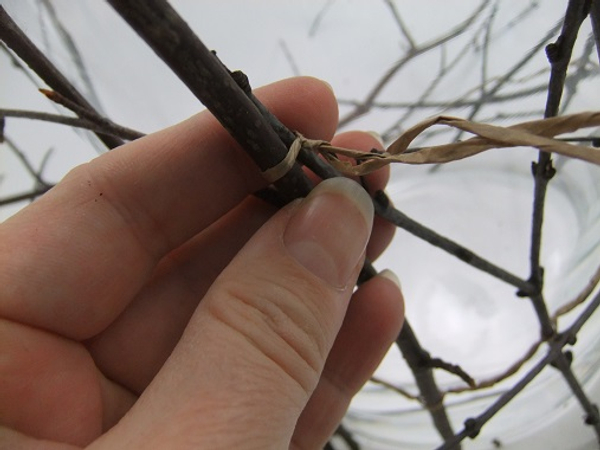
<point>329,231</point>
<point>389,275</point>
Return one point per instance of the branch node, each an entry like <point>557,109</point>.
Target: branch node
<point>382,198</point>
<point>242,81</point>
<point>472,427</point>
<point>554,51</point>
<point>568,359</point>
<point>546,172</point>
<point>593,418</point>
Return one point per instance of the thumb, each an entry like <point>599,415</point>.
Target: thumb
<point>255,348</point>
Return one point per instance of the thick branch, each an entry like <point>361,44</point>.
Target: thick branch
<point>213,84</point>
<point>177,45</point>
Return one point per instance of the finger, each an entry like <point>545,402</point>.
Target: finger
<point>136,345</point>
<point>254,350</point>
<point>383,231</point>
<point>373,321</point>
<point>366,142</point>
<point>75,258</point>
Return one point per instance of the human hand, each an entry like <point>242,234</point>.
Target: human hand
<point>148,301</point>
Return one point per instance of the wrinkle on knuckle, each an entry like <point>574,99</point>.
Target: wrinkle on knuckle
<point>277,322</point>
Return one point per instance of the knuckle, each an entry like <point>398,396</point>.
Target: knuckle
<point>278,321</point>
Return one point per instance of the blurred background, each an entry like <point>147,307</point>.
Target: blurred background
<point>391,64</point>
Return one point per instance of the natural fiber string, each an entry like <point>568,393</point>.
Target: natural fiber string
<point>282,167</point>
<point>536,133</point>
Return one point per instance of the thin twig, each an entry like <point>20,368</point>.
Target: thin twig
<point>509,75</point>
<point>108,128</point>
<point>419,362</point>
<point>562,362</point>
<point>444,69</point>
<point>582,297</point>
<point>289,58</point>
<point>490,382</point>
<point>74,52</point>
<point>403,392</point>
<point>384,209</point>
<point>211,82</point>
<point>400,219</point>
<point>316,23</point>
<point>401,25</point>
<point>461,101</point>
<point>473,426</point>
<point>31,195</point>
<point>177,45</point>
<point>18,42</point>
<point>392,71</point>
<point>26,163</point>
<point>595,19</point>
<point>559,55</point>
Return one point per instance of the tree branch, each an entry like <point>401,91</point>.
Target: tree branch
<point>410,55</point>
<point>462,253</point>
<point>559,55</point>
<point>419,362</point>
<point>474,425</point>
<point>105,127</point>
<point>177,45</point>
<point>18,41</point>
<point>211,82</point>
<point>25,196</point>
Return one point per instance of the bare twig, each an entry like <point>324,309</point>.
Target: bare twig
<point>403,221</point>
<point>26,163</point>
<point>392,71</point>
<point>460,102</point>
<point>174,42</point>
<point>514,368</point>
<point>582,297</point>
<point>18,41</point>
<point>25,196</point>
<point>474,425</point>
<point>401,25</point>
<point>509,75</point>
<point>595,18</point>
<point>559,55</point>
<point>319,17</point>
<point>403,392</point>
<point>106,127</point>
<point>562,362</point>
<point>289,57</point>
<point>74,52</point>
<point>384,209</point>
<point>419,362</point>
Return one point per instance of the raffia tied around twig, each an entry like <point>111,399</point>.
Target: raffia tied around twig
<point>537,133</point>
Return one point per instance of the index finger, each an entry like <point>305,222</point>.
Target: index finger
<point>71,262</point>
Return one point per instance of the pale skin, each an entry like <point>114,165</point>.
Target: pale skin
<point>150,301</point>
